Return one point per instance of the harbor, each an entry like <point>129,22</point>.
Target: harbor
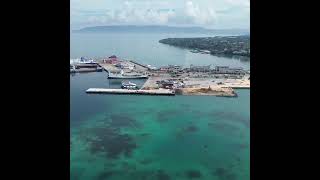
<point>167,80</point>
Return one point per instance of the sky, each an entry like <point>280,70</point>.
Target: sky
<point>214,14</point>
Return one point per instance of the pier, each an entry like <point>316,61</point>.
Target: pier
<point>164,92</point>
<point>138,64</point>
<point>85,70</point>
<point>109,67</point>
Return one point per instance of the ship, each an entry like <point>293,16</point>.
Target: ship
<point>121,75</point>
<point>128,85</point>
<point>82,60</point>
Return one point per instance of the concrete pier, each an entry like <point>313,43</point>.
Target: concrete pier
<point>165,92</point>
<point>109,67</point>
<point>85,70</point>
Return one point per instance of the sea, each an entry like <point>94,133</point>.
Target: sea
<point>132,137</point>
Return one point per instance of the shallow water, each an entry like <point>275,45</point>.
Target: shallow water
<point>148,137</point>
<point>132,137</point>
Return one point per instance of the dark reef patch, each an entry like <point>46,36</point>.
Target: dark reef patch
<point>145,134</point>
<point>162,175</point>
<point>224,174</point>
<point>191,174</point>
<point>109,140</point>
<point>191,128</point>
<point>105,175</point>
<point>146,161</point>
<point>230,116</point>
<point>223,127</point>
<point>128,167</point>
<point>164,116</point>
<point>120,121</point>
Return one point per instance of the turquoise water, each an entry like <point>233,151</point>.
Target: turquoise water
<point>156,138</point>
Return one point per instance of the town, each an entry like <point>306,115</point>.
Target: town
<point>166,80</point>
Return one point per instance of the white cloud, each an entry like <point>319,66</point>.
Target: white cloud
<point>203,16</point>
<point>207,13</point>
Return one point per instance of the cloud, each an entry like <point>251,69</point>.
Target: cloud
<point>191,13</point>
<point>202,16</point>
<point>207,13</point>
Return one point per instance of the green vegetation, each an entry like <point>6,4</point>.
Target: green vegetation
<point>224,45</point>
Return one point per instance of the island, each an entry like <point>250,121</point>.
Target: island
<point>158,29</point>
<point>218,45</point>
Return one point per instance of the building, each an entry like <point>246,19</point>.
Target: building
<point>111,60</point>
<point>124,65</point>
<point>199,68</point>
<point>222,69</point>
<point>228,70</point>
<point>171,68</point>
<point>167,84</point>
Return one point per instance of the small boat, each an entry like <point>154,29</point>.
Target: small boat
<point>195,51</point>
<point>128,85</point>
<point>204,51</point>
<point>72,68</point>
<point>99,69</point>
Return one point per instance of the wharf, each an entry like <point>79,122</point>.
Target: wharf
<point>239,86</point>
<point>140,66</point>
<point>109,67</point>
<point>165,92</point>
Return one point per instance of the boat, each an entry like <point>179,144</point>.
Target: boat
<point>82,60</point>
<point>195,51</point>
<point>204,51</point>
<point>151,67</point>
<point>128,85</point>
<point>72,69</point>
<point>99,69</point>
<point>121,75</point>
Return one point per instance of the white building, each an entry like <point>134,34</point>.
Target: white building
<point>199,68</point>
<point>228,70</point>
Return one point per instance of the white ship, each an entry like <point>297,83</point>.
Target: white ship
<point>121,75</point>
<point>82,60</point>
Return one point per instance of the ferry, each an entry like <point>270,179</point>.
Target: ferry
<point>128,85</point>
<point>121,75</point>
<point>82,60</point>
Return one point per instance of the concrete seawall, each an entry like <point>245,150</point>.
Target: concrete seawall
<point>164,92</point>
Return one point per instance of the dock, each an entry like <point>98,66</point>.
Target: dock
<point>109,67</point>
<point>141,65</point>
<point>164,92</point>
<point>239,86</point>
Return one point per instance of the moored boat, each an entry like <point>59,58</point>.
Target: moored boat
<point>128,85</point>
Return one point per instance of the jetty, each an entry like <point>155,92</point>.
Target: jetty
<point>109,67</point>
<point>165,92</point>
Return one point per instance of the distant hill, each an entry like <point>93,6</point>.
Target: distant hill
<point>159,29</point>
